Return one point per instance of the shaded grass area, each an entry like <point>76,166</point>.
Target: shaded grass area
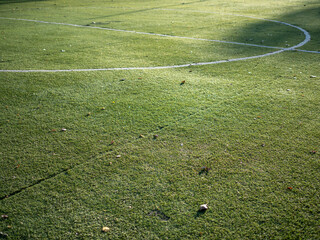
<point>306,18</point>
<point>253,125</point>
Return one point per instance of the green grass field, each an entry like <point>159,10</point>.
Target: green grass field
<point>139,150</point>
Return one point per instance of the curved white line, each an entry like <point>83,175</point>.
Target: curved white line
<point>143,33</point>
<point>307,39</point>
<point>306,51</point>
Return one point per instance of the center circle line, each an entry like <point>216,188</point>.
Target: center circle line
<point>307,39</point>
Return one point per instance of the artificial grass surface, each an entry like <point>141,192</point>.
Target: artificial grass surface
<point>253,123</point>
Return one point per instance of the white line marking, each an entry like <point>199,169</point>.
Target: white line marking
<point>147,68</point>
<point>307,39</point>
<point>157,34</point>
<point>238,15</point>
<point>306,51</point>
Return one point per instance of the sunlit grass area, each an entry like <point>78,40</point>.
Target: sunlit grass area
<point>132,154</point>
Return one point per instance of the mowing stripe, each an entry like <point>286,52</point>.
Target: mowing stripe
<point>307,39</point>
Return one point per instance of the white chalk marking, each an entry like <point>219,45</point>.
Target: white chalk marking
<point>307,39</point>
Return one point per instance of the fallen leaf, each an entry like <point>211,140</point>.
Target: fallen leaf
<point>103,108</point>
<point>203,207</point>
<point>183,82</point>
<point>141,136</point>
<point>105,229</point>
<point>112,142</point>
<point>313,152</point>
<point>290,188</point>
<point>88,114</point>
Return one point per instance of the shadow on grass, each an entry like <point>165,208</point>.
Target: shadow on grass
<point>280,35</point>
<point>18,1</point>
<point>159,214</point>
<point>200,213</point>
